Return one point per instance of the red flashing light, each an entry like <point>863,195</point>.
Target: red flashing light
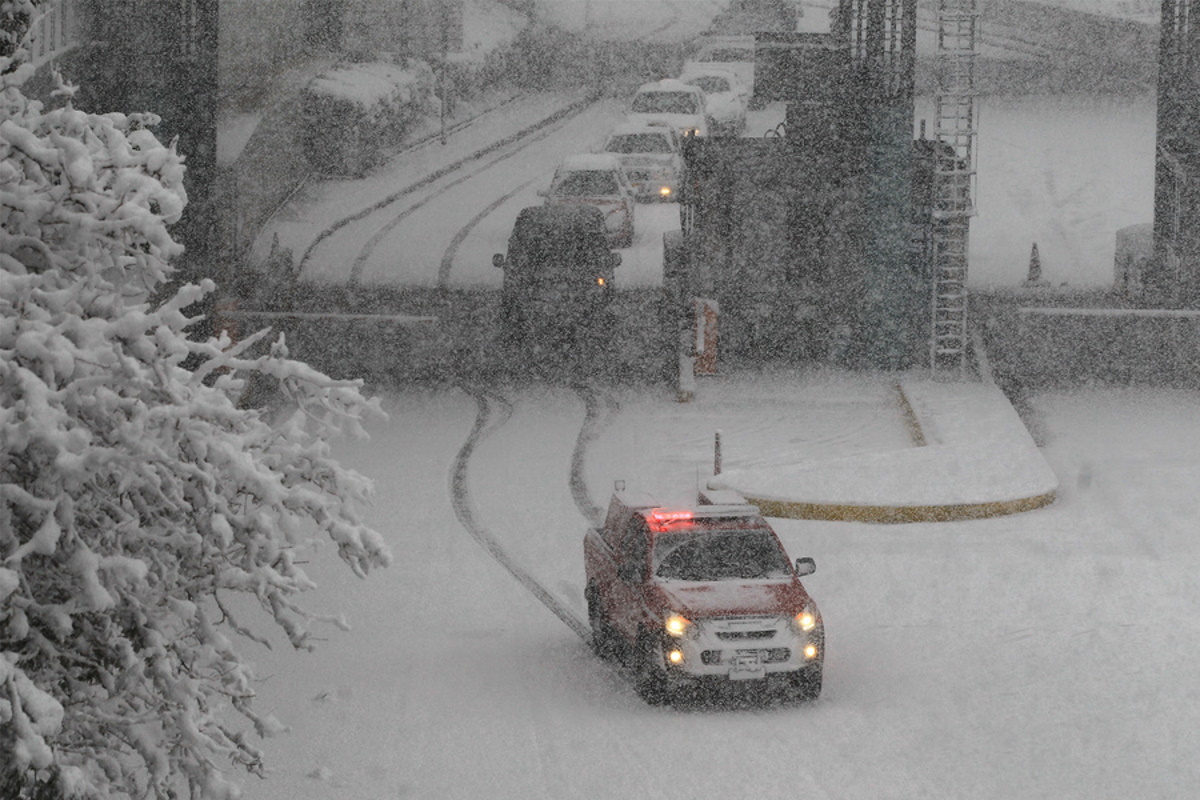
<point>660,518</point>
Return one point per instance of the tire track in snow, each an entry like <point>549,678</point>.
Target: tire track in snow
<point>562,115</point>
<point>597,413</point>
<point>451,251</point>
<point>487,421</point>
<point>532,136</point>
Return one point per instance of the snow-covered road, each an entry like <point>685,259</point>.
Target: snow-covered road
<point>1052,654</point>
<point>1064,172</point>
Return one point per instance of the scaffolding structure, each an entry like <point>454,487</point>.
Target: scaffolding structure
<point>954,179</point>
<point>1174,275</point>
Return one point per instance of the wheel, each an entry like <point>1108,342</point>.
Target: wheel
<point>806,685</point>
<point>650,677</point>
<point>604,643</point>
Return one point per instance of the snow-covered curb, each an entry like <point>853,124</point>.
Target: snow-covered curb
<point>974,459</point>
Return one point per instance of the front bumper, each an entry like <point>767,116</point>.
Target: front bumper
<point>743,649</point>
<point>649,184</point>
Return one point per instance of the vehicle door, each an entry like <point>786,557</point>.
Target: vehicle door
<point>601,548</point>
<point>633,563</point>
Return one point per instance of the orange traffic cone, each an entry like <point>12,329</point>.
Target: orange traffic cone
<point>1034,277</point>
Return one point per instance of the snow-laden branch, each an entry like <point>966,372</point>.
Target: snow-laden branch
<point>133,487</point>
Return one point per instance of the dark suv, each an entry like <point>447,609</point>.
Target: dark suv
<point>557,276</point>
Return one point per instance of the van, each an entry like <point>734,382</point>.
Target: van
<point>558,274</point>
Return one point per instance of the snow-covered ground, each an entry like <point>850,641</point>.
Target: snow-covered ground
<point>1051,654</point>
<point>1065,172</point>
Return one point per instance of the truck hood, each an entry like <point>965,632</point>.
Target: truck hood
<point>732,598</point>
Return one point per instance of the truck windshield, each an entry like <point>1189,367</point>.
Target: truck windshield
<point>719,555</point>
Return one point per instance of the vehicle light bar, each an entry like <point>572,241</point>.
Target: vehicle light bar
<point>663,516</point>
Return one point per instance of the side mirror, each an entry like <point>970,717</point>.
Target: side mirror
<point>614,260</point>
<point>498,260</point>
<point>805,566</point>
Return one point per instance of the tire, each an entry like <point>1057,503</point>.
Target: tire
<point>650,678</point>
<point>604,642</point>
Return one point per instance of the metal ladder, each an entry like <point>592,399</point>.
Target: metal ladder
<point>954,178</point>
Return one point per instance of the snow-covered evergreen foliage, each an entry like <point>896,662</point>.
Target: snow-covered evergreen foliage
<point>137,499</point>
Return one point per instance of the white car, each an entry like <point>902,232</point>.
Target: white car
<point>733,53</point>
<point>725,97</point>
<point>650,156</point>
<point>596,179</point>
<point>674,102</point>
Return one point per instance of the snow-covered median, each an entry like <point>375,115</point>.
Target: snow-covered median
<point>974,458</point>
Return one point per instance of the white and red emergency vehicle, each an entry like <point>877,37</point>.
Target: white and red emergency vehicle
<point>703,594</point>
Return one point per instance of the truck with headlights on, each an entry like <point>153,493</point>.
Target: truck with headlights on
<point>698,596</point>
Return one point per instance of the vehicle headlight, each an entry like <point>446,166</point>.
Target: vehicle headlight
<point>676,625</point>
<point>808,619</point>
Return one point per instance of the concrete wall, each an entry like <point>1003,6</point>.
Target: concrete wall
<point>1042,339</point>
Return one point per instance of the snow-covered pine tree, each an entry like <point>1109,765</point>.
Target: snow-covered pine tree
<point>136,498</point>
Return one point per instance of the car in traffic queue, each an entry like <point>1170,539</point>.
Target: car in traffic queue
<point>650,156</point>
<point>701,596</point>
<point>558,278</point>
<point>726,98</point>
<point>596,179</point>
<point>731,52</point>
<point>672,101</point>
